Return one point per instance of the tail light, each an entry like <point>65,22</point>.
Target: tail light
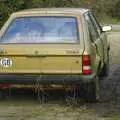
<point>5,86</point>
<point>86,61</point>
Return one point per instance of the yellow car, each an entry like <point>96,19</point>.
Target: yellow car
<point>64,46</point>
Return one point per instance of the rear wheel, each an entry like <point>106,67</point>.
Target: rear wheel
<point>105,69</point>
<point>93,91</point>
<point>3,94</point>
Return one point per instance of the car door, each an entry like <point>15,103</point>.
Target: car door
<point>94,37</point>
<point>102,35</point>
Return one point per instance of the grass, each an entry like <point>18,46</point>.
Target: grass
<point>114,30</point>
<point>105,19</point>
<point>112,117</point>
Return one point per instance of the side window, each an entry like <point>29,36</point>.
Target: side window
<point>92,32</point>
<point>94,20</point>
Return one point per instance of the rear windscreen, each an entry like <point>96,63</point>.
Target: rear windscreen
<point>42,30</point>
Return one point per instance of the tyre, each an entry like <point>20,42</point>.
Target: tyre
<point>93,91</point>
<point>105,69</point>
<point>3,94</point>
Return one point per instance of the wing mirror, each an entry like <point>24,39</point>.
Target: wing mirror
<point>106,28</point>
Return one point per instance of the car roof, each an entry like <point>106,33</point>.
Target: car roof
<point>52,10</point>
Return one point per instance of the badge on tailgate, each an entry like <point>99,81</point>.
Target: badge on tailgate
<point>6,62</point>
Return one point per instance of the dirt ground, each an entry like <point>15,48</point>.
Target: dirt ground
<point>26,107</point>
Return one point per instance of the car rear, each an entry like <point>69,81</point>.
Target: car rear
<point>49,45</point>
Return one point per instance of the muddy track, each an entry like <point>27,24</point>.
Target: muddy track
<point>110,86</point>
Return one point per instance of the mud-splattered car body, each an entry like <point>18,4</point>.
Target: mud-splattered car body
<point>52,46</point>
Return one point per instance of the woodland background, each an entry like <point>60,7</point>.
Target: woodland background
<point>106,10</point>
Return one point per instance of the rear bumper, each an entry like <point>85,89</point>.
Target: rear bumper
<point>47,79</point>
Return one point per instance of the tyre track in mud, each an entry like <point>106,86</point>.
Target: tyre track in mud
<point>110,94</point>
<point>110,87</point>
